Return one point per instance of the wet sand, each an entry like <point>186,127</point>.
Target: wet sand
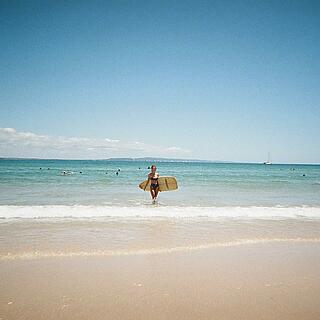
<point>251,281</point>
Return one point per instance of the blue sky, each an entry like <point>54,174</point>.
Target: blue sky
<point>226,80</point>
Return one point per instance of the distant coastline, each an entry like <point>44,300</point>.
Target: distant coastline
<point>155,159</point>
<point>149,159</point>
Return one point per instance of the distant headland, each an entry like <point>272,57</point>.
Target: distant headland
<point>146,159</point>
<point>155,159</point>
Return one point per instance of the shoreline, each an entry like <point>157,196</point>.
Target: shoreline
<point>147,210</point>
<point>160,268</point>
<point>155,251</point>
<point>32,239</point>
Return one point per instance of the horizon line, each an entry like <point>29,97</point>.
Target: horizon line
<point>160,159</point>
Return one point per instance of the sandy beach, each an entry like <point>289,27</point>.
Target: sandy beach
<point>274,281</point>
<point>277,278</point>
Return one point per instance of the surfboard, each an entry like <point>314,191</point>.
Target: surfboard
<point>165,184</point>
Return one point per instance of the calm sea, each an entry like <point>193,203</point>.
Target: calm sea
<point>31,188</point>
<point>92,211</point>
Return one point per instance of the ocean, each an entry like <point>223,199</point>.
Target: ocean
<point>67,208</point>
<point>91,188</point>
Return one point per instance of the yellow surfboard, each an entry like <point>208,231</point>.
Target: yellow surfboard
<point>165,184</point>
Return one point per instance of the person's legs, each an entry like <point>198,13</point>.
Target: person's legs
<point>156,191</point>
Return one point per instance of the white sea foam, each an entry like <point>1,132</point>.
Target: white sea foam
<point>116,253</point>
<point>80,211</point>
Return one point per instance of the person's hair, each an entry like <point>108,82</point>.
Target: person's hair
<point>153,166</point>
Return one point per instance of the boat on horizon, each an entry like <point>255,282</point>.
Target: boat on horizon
<point>268,162</point>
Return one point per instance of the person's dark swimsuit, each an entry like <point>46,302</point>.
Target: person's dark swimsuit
<point>154,185</point>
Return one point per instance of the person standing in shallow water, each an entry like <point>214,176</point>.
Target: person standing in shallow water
<point>153,177</point>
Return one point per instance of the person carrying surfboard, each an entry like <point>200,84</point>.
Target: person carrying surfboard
<point>156,184</point>
<point>153,177</point>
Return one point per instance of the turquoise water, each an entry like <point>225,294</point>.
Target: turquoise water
<point>23,183</point>
<point>44,213</point>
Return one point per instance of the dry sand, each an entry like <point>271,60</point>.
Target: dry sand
<point>261,281</point>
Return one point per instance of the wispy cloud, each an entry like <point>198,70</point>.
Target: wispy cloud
<point>15,143</point>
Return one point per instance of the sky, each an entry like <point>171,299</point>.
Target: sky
<point>217,80</point>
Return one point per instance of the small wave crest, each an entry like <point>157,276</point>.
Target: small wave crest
<point>81,211</point>
<point>153,251</point>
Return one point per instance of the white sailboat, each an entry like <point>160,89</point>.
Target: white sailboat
<point>268,162</point>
